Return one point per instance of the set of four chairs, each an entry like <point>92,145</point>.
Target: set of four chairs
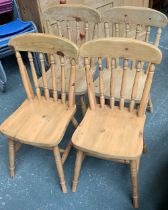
<point>115,72</point>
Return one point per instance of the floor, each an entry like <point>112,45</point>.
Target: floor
<point>103,185</point>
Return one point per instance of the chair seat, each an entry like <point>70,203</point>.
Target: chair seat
<point>80,86</point>
<point>118,79</point>
<point>38,122</point>
<point>112,134</point>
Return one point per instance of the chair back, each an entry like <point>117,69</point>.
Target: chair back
<point>141,18</point>
<point>125,49</point>
<point>134,22</point>
<point>75,22</point>
<point>53,47</point>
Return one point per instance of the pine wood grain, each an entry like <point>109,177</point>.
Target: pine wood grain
<point>110,133</point>
<point>118,72</point>
<point>39,122</point>
<point>80,85</point>
<point>114,131</point>
<point>42,119</point>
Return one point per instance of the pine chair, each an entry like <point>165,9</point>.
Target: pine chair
<point>137,22</point>
<point>42,120</point>
<point>114,131</point>
<point>78,23</point>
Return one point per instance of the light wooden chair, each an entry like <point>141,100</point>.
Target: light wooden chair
<point>78,23</point>
<point>42,120</point>
<point>115,132</point>
<point>137,22</point>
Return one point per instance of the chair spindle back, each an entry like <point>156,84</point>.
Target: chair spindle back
<point>139,17</point>
<point>52,46</point>
<point>69,20</point>
<point>134,22</point>
<point>125,49</point>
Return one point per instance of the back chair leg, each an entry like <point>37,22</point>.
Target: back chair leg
<point>134,178</point>
<point>66,152</point>
<point>78,164</point>
<point>83,104</point>
<point>150,105</point>
<point>18,146</point>
<point>11,157</point>
<point>59,168</point>
<point>74,122</point>
<point>144,148</point>
<point>133,64</point>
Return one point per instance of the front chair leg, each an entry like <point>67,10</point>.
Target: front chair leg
<point>78,163</point>
<point>11,157</point>
<point>59,168</point>
<point>138,164</point>
<point>134,177</point>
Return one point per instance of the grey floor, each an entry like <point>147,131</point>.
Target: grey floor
<point>103,185</point>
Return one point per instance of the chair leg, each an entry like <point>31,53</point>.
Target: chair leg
<point>18,146</point>
<point>74,122</point>
<point>138,164</point>
<point>11,157</point>
<point>144,148</point>
<point>150,105</point>
<point>151,4</point>
<point>78,164</point>
<point>59,168</point>
<point>3,78</point>
<point>133,65</point>
<point>66,152</point>
<point>83,104</point>
<point>134,177</point>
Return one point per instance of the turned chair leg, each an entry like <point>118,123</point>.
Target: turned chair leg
<point>83,104</point>
<point>59,168</point>
<point>150,105</point>
<point>66,152</point>
<point>11,157</point>
<point>78,164</point>
<point>138,164</point>
<point>134,177</point>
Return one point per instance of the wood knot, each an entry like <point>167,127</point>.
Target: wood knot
<point>82,35</point>
<point>100,68</point>
<point>62,1</point>
<point>102,130</point>
<point>60,53</point>
<point>78,19</point>
<point>140,134</point>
